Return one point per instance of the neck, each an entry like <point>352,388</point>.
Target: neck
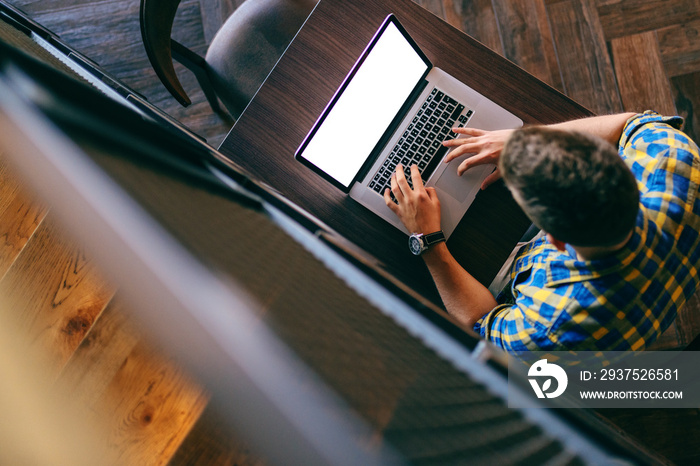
<point>599,252</point>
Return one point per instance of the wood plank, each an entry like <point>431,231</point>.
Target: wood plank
<point>680,48</point>
<point>686,90</point>
<point>476,18</point>
<point>149,403</point>
<point>587,72</point>
<point>152,404</point>
<point>20,215</point>
<point>42,424</point>
<point>101,354</point>
<point>18,222</point>
<point>55,292</point>
<point>641,79</point>
<point>621,18</point>
<point>529,41</point>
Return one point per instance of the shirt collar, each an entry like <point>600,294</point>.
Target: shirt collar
<point>569,269</point>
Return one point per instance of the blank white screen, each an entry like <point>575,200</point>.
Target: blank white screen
<point>366,108</point>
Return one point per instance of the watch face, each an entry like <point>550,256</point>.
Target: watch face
<point>415,244</point>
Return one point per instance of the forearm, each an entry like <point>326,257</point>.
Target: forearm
<point>608,127</point>
<point>464,297</point>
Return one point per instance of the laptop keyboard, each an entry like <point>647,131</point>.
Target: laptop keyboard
<point>421,142</point>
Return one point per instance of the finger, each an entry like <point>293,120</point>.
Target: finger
<point>469,131</point>
<point>473,162</point>
<point>492,178</point>
<point>457,142</point>
<point>398,194</point>
<point>468,137</point>
<point>461,150</point>
<point>401,180</point>
<point>432,193</point>
<point>416,178</point>
<point>389,202</point>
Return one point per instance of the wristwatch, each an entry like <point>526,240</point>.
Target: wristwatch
<point>419,243</point>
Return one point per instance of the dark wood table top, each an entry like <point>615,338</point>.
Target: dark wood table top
<point>264,139</point>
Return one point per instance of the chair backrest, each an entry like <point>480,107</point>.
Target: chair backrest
<point>240,57</point>
<point>156,18</point>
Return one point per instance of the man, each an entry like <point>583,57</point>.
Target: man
<point>616,199</point>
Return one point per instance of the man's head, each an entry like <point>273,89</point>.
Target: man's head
<point>572,185</point>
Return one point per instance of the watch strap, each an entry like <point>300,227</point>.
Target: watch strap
<point>432,238</point>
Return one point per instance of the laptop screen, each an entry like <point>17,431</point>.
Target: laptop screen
<point>364,107</point>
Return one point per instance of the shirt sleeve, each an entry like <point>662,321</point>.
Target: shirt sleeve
<point>666,164</point>
<point>508,327</point>
<point>497,325</point>
<point>639,121</point>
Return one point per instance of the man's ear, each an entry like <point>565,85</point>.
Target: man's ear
<point>560,245</point>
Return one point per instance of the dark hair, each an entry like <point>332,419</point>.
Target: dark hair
<point>572,185</point>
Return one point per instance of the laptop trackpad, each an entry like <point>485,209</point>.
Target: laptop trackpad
<point>460,187</point>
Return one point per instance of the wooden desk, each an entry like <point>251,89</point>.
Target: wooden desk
<point>265,137</point>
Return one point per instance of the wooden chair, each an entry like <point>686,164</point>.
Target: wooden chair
<point>241,55</point>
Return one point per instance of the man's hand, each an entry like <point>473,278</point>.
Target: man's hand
<point>418,208</point>
<point>485,145</point>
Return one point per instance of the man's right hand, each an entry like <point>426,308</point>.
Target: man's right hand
<point>485,145</point>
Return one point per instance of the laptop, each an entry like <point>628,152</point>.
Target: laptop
<point>394,107</point>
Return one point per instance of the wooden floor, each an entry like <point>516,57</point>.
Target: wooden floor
<point>56,302</point>
<point>609,55</point>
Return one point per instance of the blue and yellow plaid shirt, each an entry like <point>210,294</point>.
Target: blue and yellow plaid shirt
<point>555,301</point>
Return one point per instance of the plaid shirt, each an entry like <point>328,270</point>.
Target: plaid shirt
<point>623,302</point>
